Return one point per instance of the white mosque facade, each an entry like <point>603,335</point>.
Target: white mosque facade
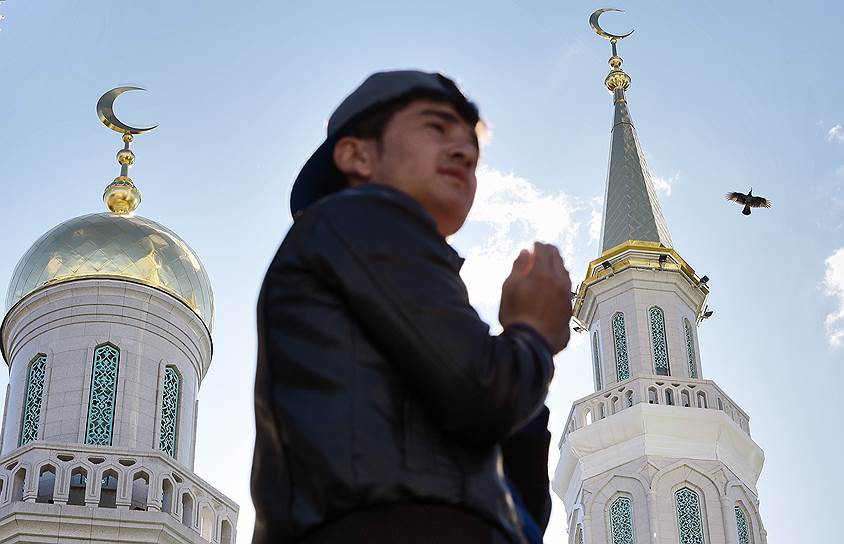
<point>107,336</point>
<point>658,454</point>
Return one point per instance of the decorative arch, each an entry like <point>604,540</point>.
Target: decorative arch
<point>103,395</point>
<point>206,521</point>
<point>619,335</point>
<point>740,495</point>
<point>31,419</point>
<point>170,400</point>
<point>681,474</point>
<point>187,509</point>
<point>166,495</point>
<point>109,485</point>
<point>140,491</point>
<point>659,343</point>
<point>690,348</point>
<point>629,485</point>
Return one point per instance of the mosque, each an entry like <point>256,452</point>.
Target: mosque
<point>107,334</point>
<point>657,454</point>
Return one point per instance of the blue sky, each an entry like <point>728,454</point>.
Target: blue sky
<point>724,98</point>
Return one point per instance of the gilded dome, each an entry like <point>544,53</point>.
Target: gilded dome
<point>108,245</point>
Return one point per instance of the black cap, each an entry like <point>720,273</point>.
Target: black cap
<point>320,176</point>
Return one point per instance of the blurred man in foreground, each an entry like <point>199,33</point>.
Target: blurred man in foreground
<point>382,402</point>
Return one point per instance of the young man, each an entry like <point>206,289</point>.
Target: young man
<point>381,399</point>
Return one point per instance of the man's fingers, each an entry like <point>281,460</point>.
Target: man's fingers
<point>522,264</point>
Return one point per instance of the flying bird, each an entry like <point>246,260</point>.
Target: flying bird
<point>748,200</point>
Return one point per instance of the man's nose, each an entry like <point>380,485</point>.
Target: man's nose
<point>466,153</point>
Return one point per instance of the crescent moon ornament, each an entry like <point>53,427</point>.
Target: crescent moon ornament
<point>596,26</point>
<point>105,110</point>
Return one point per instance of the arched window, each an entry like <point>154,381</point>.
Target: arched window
<point>206,522</point>
<point>32,404</point>
<point>140,491</point>
<point>170,410</point>
<point>103,395</point>
<point>18,485</point>
<point>166,496</point>
<point>621,521</point>
<point>78,485</point>
<point>226,532</point>
<point>46,484</point>
<point>187,510</point>
<point>652,396</point>
<point>690,349</point>
<point>660,346</point>
<point>619,336</point>
<point>701,400</point>
<point>689,519</point>
<point>596,361</point>
<point>669,397</point>
<point>745,536</point>
<point>629,397</point>
<point>108,489</point>
<point>686,400</point>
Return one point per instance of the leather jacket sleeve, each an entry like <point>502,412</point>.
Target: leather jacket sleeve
<point>400,279</point>
<point>525,455</point>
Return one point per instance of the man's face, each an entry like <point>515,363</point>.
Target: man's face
<point>429,152</point>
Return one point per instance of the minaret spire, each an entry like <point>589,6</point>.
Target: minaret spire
<point>631,208</point>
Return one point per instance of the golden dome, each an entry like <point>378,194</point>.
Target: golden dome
<point>108,245</point>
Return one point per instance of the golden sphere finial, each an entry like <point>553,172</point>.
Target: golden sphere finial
<point>121,196</point>
<point>617,79</point>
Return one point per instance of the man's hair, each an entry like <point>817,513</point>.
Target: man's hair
<point>371,123</point>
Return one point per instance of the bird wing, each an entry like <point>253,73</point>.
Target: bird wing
<point>759,202</point>
<point>736,197</point>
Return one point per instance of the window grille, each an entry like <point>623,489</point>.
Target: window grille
<point>103,396</point>
<point>660,346</point>
<point>619,335</point>
<point>170,410</point>
<point>688,517</point>
<point>621,521</point>
<point>690,349</point>
<point>32,404</point>
<point>742,527</point>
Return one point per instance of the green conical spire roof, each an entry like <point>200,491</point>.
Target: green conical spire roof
<point>631,208</point>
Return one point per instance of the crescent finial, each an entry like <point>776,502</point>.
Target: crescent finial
<point>596,26</point>
<point>105,110</point>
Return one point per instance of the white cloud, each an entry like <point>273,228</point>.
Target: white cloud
<point>509,214</point>
<point>595,222</point>
<point>833,284</point>
<point>835,133</point>
<point>664,185</point>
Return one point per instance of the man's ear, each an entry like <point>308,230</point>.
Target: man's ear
<point>355,158</point>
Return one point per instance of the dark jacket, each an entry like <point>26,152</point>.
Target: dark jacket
<point>377,383</point>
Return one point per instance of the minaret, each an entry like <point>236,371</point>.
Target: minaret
<point>107,334</point>
<point>657,454</point>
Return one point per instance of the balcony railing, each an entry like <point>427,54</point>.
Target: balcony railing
<point>42,472</point>
<point>667,390</point>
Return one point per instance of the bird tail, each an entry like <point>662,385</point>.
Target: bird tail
<point>746,210</point>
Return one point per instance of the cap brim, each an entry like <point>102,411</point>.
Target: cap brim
<point>319,177</point>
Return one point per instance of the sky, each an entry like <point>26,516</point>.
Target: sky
<point>723,99</point>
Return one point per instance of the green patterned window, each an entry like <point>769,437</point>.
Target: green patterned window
<point>621,521</point>
<point>34,396</point>
<point>688,517</point>
<point>742,527</point>
<point>596,361</point>
<point>660,346</point>
<point>690,349</point>
<point>619,336</point>
<point>170,410</point>
<point>103,395</point>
